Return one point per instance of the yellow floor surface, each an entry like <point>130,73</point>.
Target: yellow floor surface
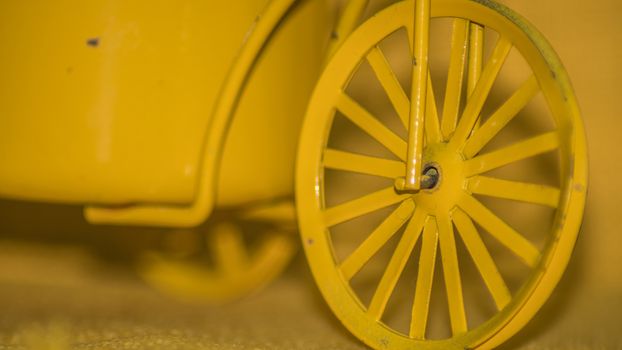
<point>61,297</point>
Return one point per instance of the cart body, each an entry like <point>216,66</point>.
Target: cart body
<point>113,104</point>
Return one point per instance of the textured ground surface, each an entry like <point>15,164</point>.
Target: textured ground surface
<point>63,298</point>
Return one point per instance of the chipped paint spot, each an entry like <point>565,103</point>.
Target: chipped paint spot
<point>92,42</point>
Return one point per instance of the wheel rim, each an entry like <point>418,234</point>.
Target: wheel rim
<point>453,148</point>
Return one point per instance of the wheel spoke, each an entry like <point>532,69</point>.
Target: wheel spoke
<point>520,191</point>
<point>339,160</point>
<point>372,126</point>
<point>398,97</point>
<point>501,231</point>
<point>501,117</point>
<point>451,273</point>
<point>476,56</point>
<point>476,101</point>
<point>377,239</point>
<point>425,276</point>
<point>361,206</point>
<point>518,151</point>
<point>431,126</point>
<point>389,82</point>
<point>482,259</point>
<point>457,62</point>
<point>396,265</point>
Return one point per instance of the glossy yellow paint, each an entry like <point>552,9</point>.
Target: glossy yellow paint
<point>111,99</point>
<point>129,108</point>
<point>418,96</point>
<point>259,154</point>
<point>311,22</point>
<point>453,148</point>
<point>348,20</point>
<point>230,93</point>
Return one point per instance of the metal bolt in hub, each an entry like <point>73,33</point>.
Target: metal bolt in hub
<point>430,177</point>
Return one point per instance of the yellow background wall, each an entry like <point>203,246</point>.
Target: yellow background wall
<point>587,35</point>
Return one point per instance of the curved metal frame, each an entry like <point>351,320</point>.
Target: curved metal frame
<point>196,213</point>
<point>216,133</point>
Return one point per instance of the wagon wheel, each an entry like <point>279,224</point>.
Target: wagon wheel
<point>222,265</point>
<point>393,263</point>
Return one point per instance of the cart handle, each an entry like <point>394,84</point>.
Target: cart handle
<point>348,20</point>
<point>412,182</point>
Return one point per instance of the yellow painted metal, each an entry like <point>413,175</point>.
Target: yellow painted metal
<point>237,269</point>
<point>364,120</point>
<point>476,59</point>
<point>335,159</point>
<point>418,97</point>
<point>471,112</point>
<point>313,24</point>
<point>396,265</point>
<point>484,262</point>
<point>463,176</point>
<point>498,228</point>
<point>348,20</point>
<point>360,206</point>
<point>501,118</point>
<point>227,260</point>
<point>457,63</point>
<point>133,105</point>
<point>520,191</point>
<point>451,272</point>
<point>259,153</point>
<point>111,99</point>
<point>476,56</point>
<point>390,84</point>
<point>432,128</point>
<point>376,239</point>
<point>425,276</point>
<point>524,149</point>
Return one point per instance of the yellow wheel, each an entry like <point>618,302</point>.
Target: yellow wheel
<point>231,261</point>
<point>466,260</point>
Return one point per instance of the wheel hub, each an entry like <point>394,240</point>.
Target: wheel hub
<point>444,179</point>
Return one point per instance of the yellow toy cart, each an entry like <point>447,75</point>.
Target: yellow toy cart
<point>441,169</point>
